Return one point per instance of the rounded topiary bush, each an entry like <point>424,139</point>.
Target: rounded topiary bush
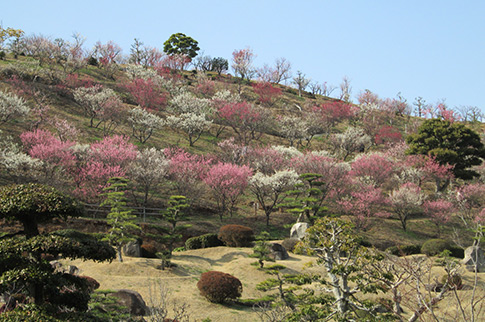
<point>236,236</point>
<point>404,250</point>
<point>149,250</point>
<point>433,247</point>
<point>218,287</point>
<point>203,241</point>
<point>290,243</point>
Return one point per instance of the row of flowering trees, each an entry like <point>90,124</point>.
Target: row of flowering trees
<point>373,185</point>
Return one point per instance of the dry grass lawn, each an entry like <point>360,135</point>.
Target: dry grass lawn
<point>142,275</point>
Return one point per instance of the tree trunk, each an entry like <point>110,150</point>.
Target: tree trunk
<point>31,228</point>
<point>119,256</point>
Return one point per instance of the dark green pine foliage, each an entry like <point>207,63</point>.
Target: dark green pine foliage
<point>308,198</point>
<point>180,44</point>
<point>120,218</point>
<point>262,249</point>
<point>450,143</point>
<point>175,212</point>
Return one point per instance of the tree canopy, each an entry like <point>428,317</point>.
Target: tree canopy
<point>450,143</point>
<point>180,44</point>
<point>32,203</point>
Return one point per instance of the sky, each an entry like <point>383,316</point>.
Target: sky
<point>434,49</point>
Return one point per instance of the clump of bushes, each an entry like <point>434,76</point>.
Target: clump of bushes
<point>404,250</point>
<point>218,287</point>
<point>236,236</point>
<point>203,241</point>
<point>290,243</point>
<point>433,247</point>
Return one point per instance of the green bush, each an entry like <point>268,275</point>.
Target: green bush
<point>203,241</point>
<point>218,287</point>
<point>404,250</point>
<point>433,247</point>
<point>290,243</point>
<point>457,251</point>
<point>236,236</point>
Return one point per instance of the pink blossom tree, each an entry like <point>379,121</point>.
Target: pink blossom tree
<point>227,182</point>
<point>374,168</point>
<point>109,56</point>
<point>242,63</point>
<point>333,112</point>
<point>439,212</point>
<point>362,204</point>
<point>187,172</point>
<point>469,199</point>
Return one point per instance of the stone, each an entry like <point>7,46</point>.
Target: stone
<point>132,249</point>
<point>298,230</point>
<point>278,252</point>
<point>132,300</point>
<point>474,257</point>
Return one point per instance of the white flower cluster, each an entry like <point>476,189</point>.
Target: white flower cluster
<point>149,167</point>
<point>14,161</point>
<point>277,182</point>
<point>12,106</point>
<point>227,96</point>
<point>144,119</point>
<point>293,128</point>
<point>288,152</point>
<point>188,103</point>
<point>94,99</point>
<point>138,71</point>
<point>191,123</point>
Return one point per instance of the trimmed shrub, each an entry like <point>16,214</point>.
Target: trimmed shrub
<point>236,236</point>
<point>290,243</point>
<point>218,287</point>
<point>404,250</point>
<point>433,247</point>
<point>148,251</point>
<point>203,241</point>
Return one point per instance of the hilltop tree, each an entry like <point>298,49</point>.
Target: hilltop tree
<point>180,44</point>
<point>242,63</point>
<point>450,143</point>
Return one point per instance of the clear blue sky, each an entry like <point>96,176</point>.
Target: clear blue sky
<point>431,48</point>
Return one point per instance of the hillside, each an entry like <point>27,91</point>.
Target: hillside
<point>210,138</point>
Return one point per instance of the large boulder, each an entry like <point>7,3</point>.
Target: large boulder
<point>474,259</point>
<point>132,249</point>
<point>278,252</point>
<point>298,230</point>
<point>132,300</point>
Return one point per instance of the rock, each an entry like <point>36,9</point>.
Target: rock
<point>474,257</point>
<point>298,230</point>
<point>132,249</point>
<point>278,252</point>
<point>132,300</point>
<point>73,270</point>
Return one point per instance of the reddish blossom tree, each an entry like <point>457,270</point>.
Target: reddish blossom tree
<point>245,119</point>
<point>108,55</point>
<point>147,94</point>
<point>227,182</point>
<point>333,112</point>
<point>267,93</point>
<point>242,63</point>
<point>388,135</point>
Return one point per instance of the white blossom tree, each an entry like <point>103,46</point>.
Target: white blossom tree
<point>12,106</point>
<point>293,128</point>
<point>189,103</point>
<point>192,124</point>
<point>406,201</point>
<point>269,189</point>
<point>351,141</point>
<point>143,123</point>
<point>148,170</point>
<point>97,102</point>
